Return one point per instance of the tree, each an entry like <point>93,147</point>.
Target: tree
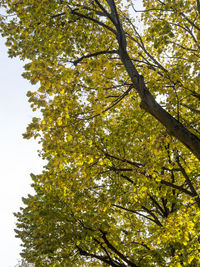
<point>119,128</point>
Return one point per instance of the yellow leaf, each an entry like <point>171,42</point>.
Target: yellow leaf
<point>91,160</point>
<point>59,122</point>
<point>80,163</point>
<point>69,137</point>
<point>190,258</point>
<point>61,166</point>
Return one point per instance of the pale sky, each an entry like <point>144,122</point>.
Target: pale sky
<point>18,157</point>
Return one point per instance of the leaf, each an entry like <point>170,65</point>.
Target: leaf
<point>69,138</point>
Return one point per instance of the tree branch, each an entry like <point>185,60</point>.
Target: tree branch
<point>140,214</point>
<point>198,6</point>
<point>189,182</point>
<point>94,55</point>
<point>157,205</point>
<point>94,20</point>
<point>104,10</point>
<point>130,263</point>
<point>192,109</point>
<point>148,102</point>
<point>180,188</point>
<point>101,258</point>
<point>136,164</point>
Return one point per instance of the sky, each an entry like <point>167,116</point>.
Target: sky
<point>18,157</point>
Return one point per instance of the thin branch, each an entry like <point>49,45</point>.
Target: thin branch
<point>157,205</point>
<point>104,10</point>
<point>195,94</point>
<point>155,220</point>
<point>136,164</point>
<point>94,55</point>
<point>100,243</point>
<point>164,202</point>
<point>130,263</point>
<point>183,47</point>
<point>148,10</point>
<point>180,188</point>
<point>141,244</point>
<point>181,13</point>
<point>198,6</point>
<point>127,178</point>
<point>115,102</point>
<point>141,45</point>
<point>97,12</point>
<point>94,20</point>
<point>101,258</point>
<point>192,109</point>
<point>189,182</point>
<point>191,22</point>
<point>58,15</point>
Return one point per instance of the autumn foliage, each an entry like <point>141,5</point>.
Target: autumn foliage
<point>118,100</point>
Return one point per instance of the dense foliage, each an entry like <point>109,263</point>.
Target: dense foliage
<point>119,129</point>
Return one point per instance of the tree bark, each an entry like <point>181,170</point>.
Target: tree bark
<point>148,103</point>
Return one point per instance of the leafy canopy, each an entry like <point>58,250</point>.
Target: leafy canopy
<point>119,128</point>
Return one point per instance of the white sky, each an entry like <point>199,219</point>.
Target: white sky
<point>18,157</point>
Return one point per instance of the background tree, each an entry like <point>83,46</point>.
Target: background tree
<point>119,128</point>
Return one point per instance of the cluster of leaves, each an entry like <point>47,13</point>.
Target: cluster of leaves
<point>119,129</point>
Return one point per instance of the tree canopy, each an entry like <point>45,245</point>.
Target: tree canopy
<point>118,104</point>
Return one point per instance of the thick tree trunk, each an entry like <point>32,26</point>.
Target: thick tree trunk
<point>148,103</point>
